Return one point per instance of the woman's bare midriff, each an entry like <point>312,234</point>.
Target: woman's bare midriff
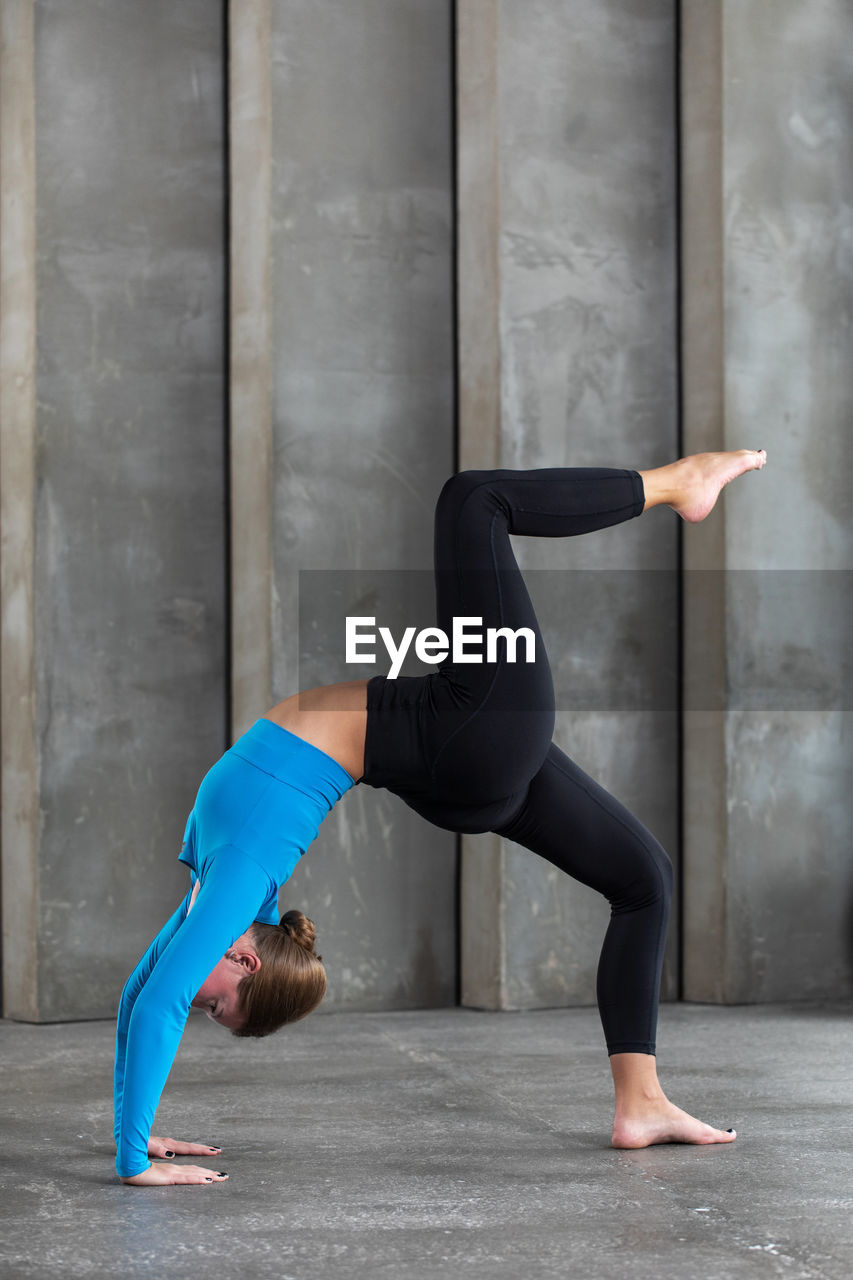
<point>332,717</point>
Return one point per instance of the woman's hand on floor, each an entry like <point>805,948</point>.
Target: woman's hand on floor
<point>169,1147</point>
<point>168,1175</point>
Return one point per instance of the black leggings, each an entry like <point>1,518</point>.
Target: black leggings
<point>469,746</point>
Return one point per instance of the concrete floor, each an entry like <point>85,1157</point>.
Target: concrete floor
<point>439,1144</point>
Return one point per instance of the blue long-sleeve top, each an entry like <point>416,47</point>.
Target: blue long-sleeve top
<point>256,812</point>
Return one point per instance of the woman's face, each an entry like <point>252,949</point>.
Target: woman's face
<point>217,995</point>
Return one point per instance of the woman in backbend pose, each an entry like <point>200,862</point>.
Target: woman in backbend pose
<point>469,748</point>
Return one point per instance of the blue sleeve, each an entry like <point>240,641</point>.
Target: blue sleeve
<point>132,988</point>
<point>233,889</point>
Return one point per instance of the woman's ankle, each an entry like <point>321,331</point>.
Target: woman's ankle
<point>661,486</point>
<point>635,1080</point>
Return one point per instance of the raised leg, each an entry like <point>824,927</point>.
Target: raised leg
<point>476,573</point>
<point>477,576</point>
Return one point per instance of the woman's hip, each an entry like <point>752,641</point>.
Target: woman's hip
<point>430,742</point>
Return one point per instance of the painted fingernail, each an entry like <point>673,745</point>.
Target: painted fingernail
<point>222,1173</point>
<point>208,1179</point>
<point>729,1130</point>
<point>169,1154</point>
<point>214,1148</point>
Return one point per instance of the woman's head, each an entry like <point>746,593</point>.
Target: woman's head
<point>288,983</point>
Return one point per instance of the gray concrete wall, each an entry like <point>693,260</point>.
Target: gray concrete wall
<point>363,424</point>
<point>577,194</point>
<point>112,458</point>
<point>769,217</point>
<point>128,531</point>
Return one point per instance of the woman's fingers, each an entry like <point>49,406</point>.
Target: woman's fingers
<point>168,1148</point>
<point>196,1174</point>
<point>165,1175</point>
<point>160,1148</point>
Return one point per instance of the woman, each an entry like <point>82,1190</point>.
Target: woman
<point>468,747</point>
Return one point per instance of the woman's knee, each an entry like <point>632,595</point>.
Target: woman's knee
<point>459,487</point>
<point>651,882</point>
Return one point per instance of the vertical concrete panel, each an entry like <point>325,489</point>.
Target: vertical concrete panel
<point>788,208</point>
<point>362,295</point>
<point>129,490</point>
<point>20,819</point>
<point>588,345</point>
<point>768,840</point>
<point>250,385</point>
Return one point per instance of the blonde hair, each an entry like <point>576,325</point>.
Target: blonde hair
<point>291,981</point>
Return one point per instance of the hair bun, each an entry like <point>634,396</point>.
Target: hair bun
<point>300,929</point>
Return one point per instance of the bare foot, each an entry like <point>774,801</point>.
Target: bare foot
<point>692,485</point>
<point>661,1121</point>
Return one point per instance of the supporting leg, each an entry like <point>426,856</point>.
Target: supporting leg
<point>575,824</point>
<point>567,818</point>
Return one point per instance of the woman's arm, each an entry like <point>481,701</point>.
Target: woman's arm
<point>157,1147</point>
<point>132,988</point>
<point>234,889</point>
